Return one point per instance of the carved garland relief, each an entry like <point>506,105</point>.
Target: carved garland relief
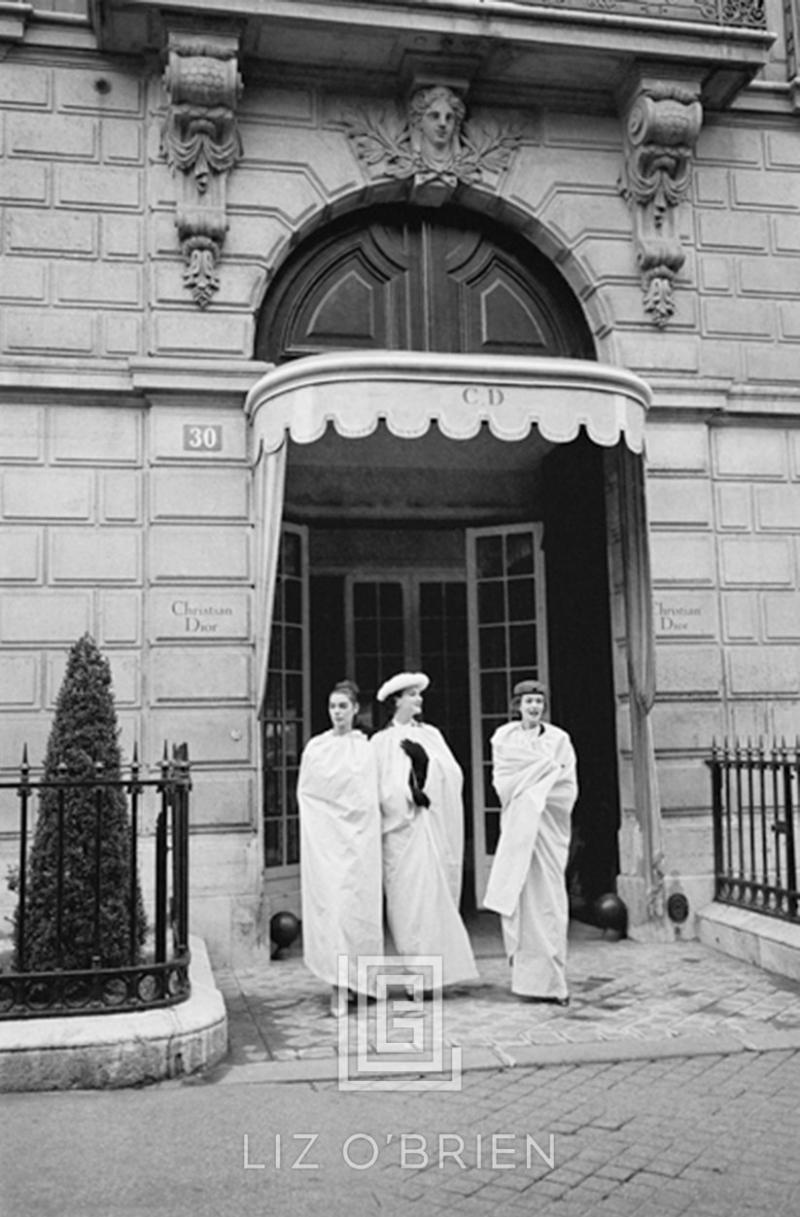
<point>200,140</point>
<point>662,124</point>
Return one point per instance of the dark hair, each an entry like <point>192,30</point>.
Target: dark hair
<point>349,688</point>
<point>391,706</point>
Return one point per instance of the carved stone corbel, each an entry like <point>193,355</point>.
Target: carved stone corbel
<point>662,121</point>
<point>201,142</point>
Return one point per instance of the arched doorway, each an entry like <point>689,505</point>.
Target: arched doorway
<point>479,560</point>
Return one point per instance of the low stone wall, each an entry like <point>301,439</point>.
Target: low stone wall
<point>114,1050</point>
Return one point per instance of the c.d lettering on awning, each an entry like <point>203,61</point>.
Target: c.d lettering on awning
<point>410,390</point>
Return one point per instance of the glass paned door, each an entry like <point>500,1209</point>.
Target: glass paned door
<point>284,724</point>
<point>377,637</point>
<point>507,643</point>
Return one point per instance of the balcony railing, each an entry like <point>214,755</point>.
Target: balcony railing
<point>750,14</point>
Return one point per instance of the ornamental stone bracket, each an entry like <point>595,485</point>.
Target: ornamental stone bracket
<point>662,120</point>
<point>200,140</point>
<point>431,143</point>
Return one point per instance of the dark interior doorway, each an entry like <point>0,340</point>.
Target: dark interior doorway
<point>579,643</point>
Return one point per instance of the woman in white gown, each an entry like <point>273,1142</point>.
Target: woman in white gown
<point>420,785</point>
<point>534,773</point>
<point>340,848</point>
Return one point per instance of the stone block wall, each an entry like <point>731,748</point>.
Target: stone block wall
<point>119,522</point>
<point>724,505</point>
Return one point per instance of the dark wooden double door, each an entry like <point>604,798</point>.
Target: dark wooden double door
<point>420,280</point>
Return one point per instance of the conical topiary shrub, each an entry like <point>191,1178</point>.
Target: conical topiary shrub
<point>82,745</point>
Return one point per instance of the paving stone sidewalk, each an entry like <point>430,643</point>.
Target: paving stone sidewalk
<point>628,999</point>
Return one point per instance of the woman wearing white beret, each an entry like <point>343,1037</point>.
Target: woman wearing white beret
<point>420,787</point>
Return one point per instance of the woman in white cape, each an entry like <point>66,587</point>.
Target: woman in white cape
<point>340,849</point>
<point>535,774</point>
<point>421,784</point>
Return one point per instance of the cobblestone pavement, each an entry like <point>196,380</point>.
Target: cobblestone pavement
<point>670,1086</point>
<point>710,1136</point>
<point>627,998</point>
<point>707,1136</point>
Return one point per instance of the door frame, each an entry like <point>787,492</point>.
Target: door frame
<point>482,859</point>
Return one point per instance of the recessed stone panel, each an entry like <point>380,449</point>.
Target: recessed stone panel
<point>685,787</point>
<point>224,799</point>
<point>19,679</point>
<point>677,447</point>
<point>77,91</point>
<point>20,555</point>
<point>200,673</point>
<point>48,494</point>
<point>734,507</point>
<point>685,614</point>
<point>756,561</point>
<point>738,318</point>
<point>679,726</point>
<point>764,670</point>
<point>57,233</point>
<point>104,283</point>
<point>196,333</point>
<point>739,616</point>
<point>120,617</point>
<point>750,720</point>
<point>121,496</point>
<point>786,233</point>
<point>782,618</point>
<point>213,493</point>
<point>21,433</point>
<point>94,555</point>
<point>678,501</point>
<point>215,735</point>
<point>66,331</point>
<point>682,558</point>
<point>18,731</point>
<point>125,677</point>
<point>44,616</point>
<point>688,669</point>
<point>209,554</point>
<point>25,85</point>
<point>778,507</point>
<point>180,434</point>
<point>749,452</point>
<point>24,279</point>
<point>97,434</point>
<point>52,135</point>
<point>718,230</point>
<point>199,614</point>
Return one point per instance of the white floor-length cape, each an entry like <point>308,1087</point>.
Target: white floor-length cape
<point>340,853</point>
<point>423,850</point>
<point>534,773</point>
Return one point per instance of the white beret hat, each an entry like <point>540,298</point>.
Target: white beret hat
<point>403,680</point>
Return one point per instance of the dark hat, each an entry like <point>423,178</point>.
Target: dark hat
<point>529,686</point>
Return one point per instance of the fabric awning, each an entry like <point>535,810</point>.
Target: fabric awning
<point>410,390</point>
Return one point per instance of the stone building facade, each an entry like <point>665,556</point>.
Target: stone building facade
<point>514,279</point>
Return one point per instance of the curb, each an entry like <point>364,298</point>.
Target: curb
<point>518,1056</point>
<point>115,1050</point>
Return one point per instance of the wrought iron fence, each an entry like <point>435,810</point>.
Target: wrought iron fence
<point>756,825</point>
<point>153,974</point>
